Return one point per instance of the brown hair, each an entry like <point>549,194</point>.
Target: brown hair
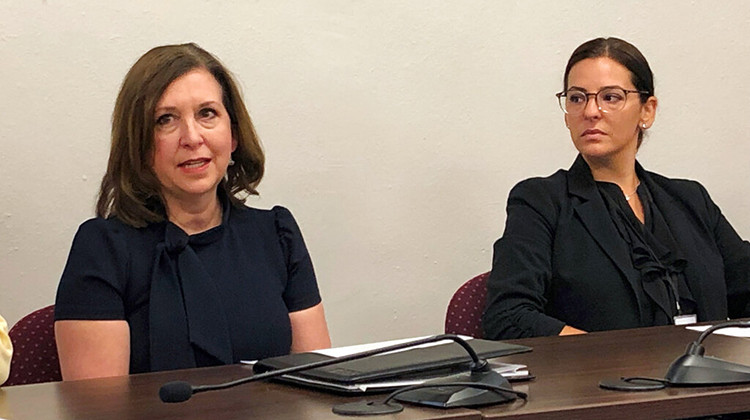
<point>624,53</point>
<point>130,190</point>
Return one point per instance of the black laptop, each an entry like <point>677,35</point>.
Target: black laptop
<point>358,376</point>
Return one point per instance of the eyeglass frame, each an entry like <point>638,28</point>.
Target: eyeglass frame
<point>564,94</point>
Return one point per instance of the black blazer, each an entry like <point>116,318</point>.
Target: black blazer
<point>561,260</point>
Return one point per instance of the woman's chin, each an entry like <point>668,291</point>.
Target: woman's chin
<point>193,191</point>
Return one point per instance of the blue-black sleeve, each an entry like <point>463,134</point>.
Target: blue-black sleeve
<point>735,253</point>
<point>91,283</point>
<point>301,290</point>
<point>522,266</point>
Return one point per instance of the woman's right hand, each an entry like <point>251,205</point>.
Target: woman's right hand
<point>568,330</point>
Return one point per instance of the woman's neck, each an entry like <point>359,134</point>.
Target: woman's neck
<point>620,172</point>
<point>195,217</point>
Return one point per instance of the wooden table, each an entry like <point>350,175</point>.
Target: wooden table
<point>135,397</point>
<point>568,370</point>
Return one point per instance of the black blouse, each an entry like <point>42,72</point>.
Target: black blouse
<point>654,253</point>
<point>216,297</point>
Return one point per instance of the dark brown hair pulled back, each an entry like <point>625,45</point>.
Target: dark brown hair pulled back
<point>623,53</point>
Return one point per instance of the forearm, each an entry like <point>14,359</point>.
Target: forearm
<point>309,329</point>
<point>93,349</point>
<point>503,322</point>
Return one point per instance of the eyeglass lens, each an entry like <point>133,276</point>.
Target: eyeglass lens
<point>608,100</point>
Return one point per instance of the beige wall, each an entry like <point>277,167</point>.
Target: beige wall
<point>394,129</point>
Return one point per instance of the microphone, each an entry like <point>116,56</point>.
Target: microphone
<point>690,369</point>
<point>693,368</point>
<point>480,373</point>
<point>176,391</point>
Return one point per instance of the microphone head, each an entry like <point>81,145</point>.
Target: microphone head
<point>175,392</point>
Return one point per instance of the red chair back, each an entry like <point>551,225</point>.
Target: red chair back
<point>34,349</point>
<point>464,315</point>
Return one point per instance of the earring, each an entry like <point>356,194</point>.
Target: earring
<point>643,125</point>
<point>231,161</point>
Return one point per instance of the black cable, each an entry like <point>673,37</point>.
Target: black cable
<point>634,379</point>
<point>489,387</point>
<point>179,391</point>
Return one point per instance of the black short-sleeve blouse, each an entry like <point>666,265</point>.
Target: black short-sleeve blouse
<point>255,263</point>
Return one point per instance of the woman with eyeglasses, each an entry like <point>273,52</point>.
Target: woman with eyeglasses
<point>606,244</point>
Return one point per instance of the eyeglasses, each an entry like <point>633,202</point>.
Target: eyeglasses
<point>610,99</point>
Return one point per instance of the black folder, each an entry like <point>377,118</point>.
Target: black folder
<point>421,362</point>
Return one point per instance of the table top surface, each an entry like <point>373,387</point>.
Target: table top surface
<point>136,397</point>
<point>567,370</point>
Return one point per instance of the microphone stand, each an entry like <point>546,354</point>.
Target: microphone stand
<point>692,368</point>
<point>179,391</point>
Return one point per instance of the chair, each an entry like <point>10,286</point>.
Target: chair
<point>34,349</point>
<point>464,315</point>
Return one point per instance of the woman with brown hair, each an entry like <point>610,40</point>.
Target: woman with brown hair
<point>175,271</point>
<point>607,244</point>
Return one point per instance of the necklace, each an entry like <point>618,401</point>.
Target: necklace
<point>629,196</point>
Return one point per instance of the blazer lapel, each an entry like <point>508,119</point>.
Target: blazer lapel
<point>594,215</point>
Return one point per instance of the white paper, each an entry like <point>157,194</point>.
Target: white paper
<point>358,348</point>
<point>731,331</point>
